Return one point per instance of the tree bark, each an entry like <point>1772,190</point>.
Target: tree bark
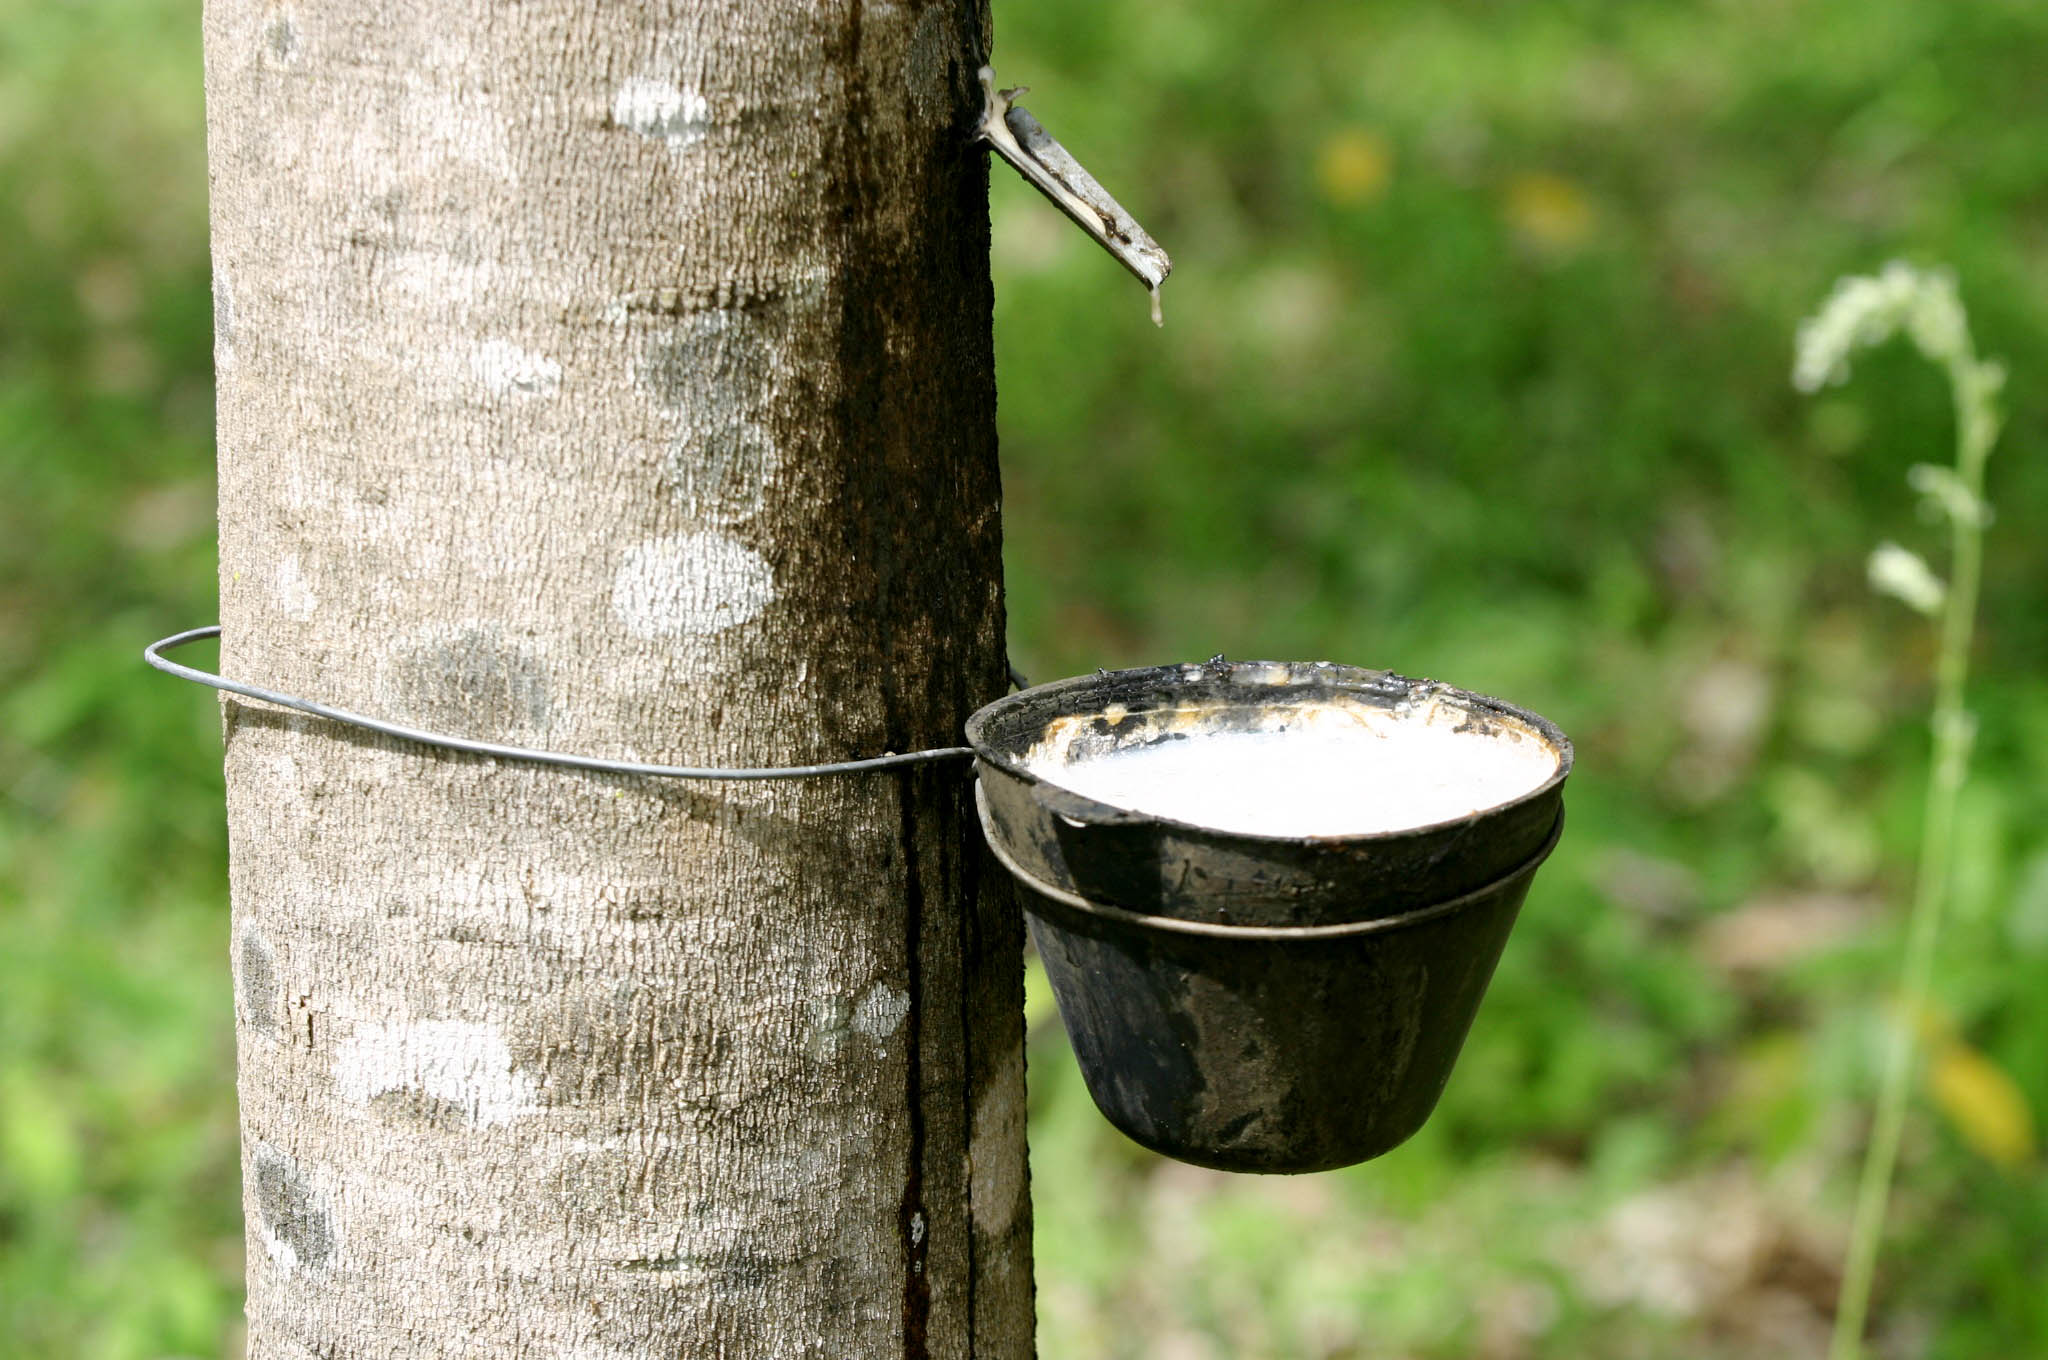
<point>614,379</point>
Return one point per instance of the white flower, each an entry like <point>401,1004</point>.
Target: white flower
<point>1935,320</point>
<point>1900,573</point>
<point>1866,310</point>
<point>1945,495</point>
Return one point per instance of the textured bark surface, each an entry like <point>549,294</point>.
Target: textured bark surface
<point>614,379</point>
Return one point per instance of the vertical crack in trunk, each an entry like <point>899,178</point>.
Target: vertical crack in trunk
<point>865,376</point>
<point>914,1223</point>
<point>965,884</point>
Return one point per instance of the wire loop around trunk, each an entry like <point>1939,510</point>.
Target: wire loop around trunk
<point>154,655</point>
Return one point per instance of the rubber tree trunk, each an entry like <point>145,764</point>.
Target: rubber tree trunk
<point>614,379</point>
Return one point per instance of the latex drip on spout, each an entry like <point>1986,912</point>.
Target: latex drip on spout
<point>1022,141</point>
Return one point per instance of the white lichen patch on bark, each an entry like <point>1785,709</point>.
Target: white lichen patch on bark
<point>880,1011</point>
<point>295,597</point>
<point>690,585</point>
<point>223,321</point>
<point>280,1251</point>
<point>507,370</point>
<point>461,1063</point>
<point>997,1181</point>
<point>659,108</point>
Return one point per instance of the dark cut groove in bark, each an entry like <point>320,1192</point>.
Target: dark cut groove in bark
<point>914,1223</point>
<point>962,864</point>
<point>615,379</point>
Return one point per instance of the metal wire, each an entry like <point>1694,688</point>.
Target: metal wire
<point>154,655</point>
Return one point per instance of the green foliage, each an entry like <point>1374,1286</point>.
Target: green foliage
<point>1473,367</point>
<point>1985,1104</point>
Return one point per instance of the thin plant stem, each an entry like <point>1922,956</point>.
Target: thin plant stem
<point>1953,732</point>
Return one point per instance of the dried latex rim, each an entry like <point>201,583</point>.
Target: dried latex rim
<point>1079,808</point>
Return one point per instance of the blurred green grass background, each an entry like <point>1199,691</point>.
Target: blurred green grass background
<point>1475,366</point>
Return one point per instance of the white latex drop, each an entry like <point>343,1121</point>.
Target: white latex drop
<point>1312,782</point>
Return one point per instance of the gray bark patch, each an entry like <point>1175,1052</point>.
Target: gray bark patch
<point>938,48</point>
<point>281,36</point>
<point>223,314</point>
<point>256,982</point>
<point>722,472</point>
<point>473,683</point>
<point>734,1271</point>
<point>601,1050</point>
<point>418,1107</point>
<point>290,1215</point>
<point>714,372</point>
<point>716,362</point>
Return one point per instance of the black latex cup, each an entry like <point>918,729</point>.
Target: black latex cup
<point>1269,1048</point>
<point>1251,1002</point>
